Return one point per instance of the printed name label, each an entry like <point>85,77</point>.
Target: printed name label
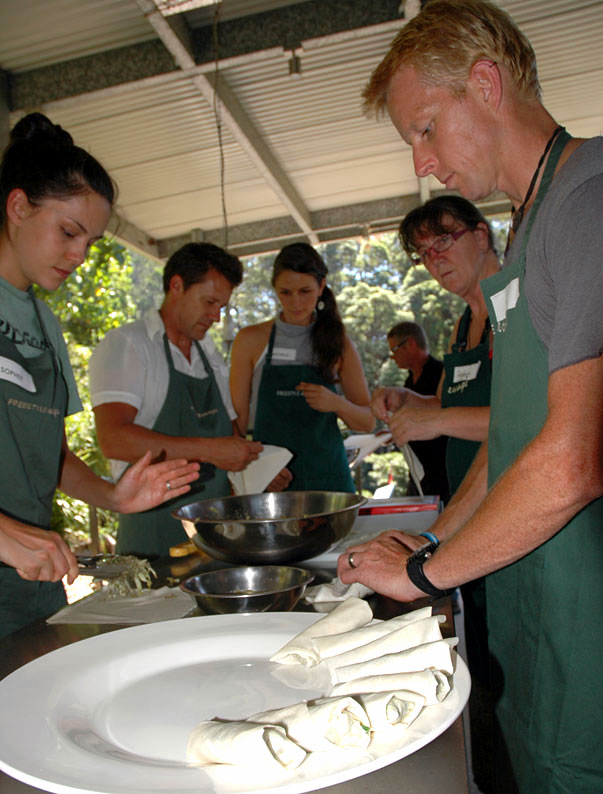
<point>466,372</point>
<point>14,373</point>
<point>505,299</point>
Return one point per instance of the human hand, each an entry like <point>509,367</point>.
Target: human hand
<point>36,554</point>
<point>387,399</point>
<point>318,397</point>
<point>416,421</point>
<point>281,482</point>
<point>232,453</point>
<point>381,565</point>
<point>145,484</point>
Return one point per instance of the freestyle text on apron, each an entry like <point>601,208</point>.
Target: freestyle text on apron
<point>474,391</point>
<point>544,611</point>
<point>283,417</point>
<point>32,434</point>
<point>192,407</point>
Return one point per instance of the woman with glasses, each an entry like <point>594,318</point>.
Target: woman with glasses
<point>284,374</point>
<point>452,239</point>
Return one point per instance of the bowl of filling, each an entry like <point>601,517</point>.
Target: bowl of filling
<point>259,588</point>
<point>270,528</point>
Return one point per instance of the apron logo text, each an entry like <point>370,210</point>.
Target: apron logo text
<point>41,409</point>
<point>289,393</point>
<point>460,387</point>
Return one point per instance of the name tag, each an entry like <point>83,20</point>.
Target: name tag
<point>284,353</point>
<point>466,372</point>
<point>505,299</point>
<point>14,373</point>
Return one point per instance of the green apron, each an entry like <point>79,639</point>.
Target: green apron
<point>466,382</point>
<point>467,379</point>
<point>32,425</point>
<point>192,407</point>
<point>544,611</point>
<point>283,417</point>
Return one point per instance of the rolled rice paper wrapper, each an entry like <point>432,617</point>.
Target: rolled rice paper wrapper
<point>387,709</point>
<point>322,724</point>
<point>242,743</point>
<point>431,684</point>
<point>340,643</point>
<point>350,614</point>
<point>431,656</point>
<point>407,636</point>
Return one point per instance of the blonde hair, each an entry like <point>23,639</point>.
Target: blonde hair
<point>445,40</point>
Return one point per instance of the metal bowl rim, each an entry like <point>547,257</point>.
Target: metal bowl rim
<point>224,520</point>
<point>233,596</point>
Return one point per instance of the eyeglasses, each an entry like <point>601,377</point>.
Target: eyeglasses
<point>392,352</point>
<point>442,243</point>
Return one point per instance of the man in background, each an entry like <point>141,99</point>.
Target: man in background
<point>409,349</point>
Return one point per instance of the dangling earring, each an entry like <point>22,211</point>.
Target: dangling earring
<point>320,305</point>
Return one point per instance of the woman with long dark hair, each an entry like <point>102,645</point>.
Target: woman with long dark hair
<point>291,378</point>
<point>55,201</point>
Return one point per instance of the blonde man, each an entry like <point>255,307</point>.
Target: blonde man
<point>461,87</point>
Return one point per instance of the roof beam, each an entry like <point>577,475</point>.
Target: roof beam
<point>174,34</point>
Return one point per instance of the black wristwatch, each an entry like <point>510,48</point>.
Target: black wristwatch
<point>414,569</point>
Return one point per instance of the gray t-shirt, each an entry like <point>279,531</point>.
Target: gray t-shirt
<point>19,323</point>
<point>564,283</point>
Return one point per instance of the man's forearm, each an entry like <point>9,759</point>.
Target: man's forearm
<point>130,441</point>
<point>468,422</point>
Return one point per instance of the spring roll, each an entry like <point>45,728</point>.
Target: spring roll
<point>431,656</point>
<point>243,743</point>
<point>407,636</point>
<point>386,709</point>
<point>350,614</point>
<point>431,684</point>
<point>322,724</point>
<point>340,643</point>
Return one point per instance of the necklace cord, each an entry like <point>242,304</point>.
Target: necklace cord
<point>517,215</point>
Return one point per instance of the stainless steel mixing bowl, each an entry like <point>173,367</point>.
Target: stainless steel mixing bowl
<point>263,588</point>
<point>269,528</point>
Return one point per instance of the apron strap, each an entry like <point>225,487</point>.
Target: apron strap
<point>271,344</point>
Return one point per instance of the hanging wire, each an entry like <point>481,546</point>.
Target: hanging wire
<point>218,118</point>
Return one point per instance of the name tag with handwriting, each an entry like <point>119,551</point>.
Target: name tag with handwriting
<point>14,373</point>
<point>466,372</point>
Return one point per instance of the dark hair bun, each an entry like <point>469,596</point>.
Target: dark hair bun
<point>39,129</point>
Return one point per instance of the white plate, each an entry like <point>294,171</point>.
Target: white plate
<point>111,714</point>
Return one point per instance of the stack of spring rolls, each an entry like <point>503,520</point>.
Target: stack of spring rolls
<point>382,675</point>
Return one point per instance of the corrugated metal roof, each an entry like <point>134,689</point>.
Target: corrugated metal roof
<point>157,133</point>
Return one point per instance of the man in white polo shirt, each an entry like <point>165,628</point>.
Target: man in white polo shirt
<point>160,384</point>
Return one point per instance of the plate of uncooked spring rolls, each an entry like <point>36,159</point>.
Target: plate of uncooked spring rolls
<point>278,702</point>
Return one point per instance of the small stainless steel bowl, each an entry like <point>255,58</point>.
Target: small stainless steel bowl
<point>262,588</point>
<point>270,528</point>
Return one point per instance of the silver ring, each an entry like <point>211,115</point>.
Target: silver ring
<point>168,486</point>
<point>351,560</point>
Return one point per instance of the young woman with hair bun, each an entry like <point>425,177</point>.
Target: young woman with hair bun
<point>291,378</point>
<point>55,201</point>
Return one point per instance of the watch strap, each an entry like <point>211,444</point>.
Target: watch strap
<point>414,569</point>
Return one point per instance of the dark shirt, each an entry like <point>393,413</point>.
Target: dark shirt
<point>432,453</point>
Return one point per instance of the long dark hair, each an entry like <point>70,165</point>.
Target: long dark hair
<point>42,159</point>
<point>328,332</point>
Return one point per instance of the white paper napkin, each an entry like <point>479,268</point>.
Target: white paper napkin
<point>165,603</point>
<point>365,443</point>
<point>336,590</point>
<point>415,467</point>
<point>260,473</point>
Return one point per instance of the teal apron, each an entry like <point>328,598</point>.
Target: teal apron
<point>32,426</point>
<point>192,407</point>
<point>545,611</point>
<point>473,390</point>
<point>469,391</point>
<point>283,417</point>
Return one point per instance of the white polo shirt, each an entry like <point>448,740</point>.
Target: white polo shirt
<point>129,366</point>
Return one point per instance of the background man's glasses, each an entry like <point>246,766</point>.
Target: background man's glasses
<point>442,243</point>
<point>392,352</point>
